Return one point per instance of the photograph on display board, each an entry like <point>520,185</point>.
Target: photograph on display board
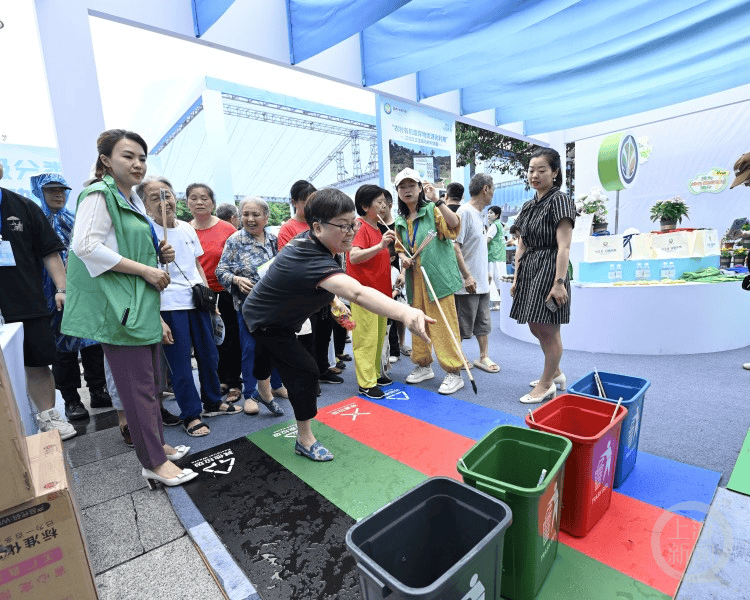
<point>432,164</point>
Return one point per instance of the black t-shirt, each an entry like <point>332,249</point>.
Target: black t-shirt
<point>32,238</point>
<point>288,293</point>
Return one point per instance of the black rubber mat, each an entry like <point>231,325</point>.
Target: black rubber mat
<point>287,538</point>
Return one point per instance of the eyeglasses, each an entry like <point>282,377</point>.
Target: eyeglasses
<point>349,228</point>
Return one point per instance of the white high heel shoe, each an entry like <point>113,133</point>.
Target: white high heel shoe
<point>152,478</point>
<point>560,381</point>
<point>181,451</point>
<point>548,395</point>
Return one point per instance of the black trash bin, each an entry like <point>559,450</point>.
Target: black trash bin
<point>441,540</point>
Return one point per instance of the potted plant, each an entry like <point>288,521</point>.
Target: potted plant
<point>739,256</point>
<point>593,204</point>
<point>669,212</point>
<point>746,240</point>
<point>725,260</point>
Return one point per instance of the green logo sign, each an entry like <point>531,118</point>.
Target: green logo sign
<point>618,161</point>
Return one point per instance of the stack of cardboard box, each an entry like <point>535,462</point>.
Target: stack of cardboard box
<point>43,554</point>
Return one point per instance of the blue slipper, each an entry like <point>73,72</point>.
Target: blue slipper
<point>317,452</point>
<point>271,405</point>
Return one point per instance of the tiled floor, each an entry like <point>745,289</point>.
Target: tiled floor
<point>139,549</point>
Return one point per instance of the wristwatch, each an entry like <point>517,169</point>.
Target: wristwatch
<point>439,203</point>
<point>59,291</point>
<point>560,280</point>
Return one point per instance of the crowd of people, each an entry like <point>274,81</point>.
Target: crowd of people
<point>140,294</point>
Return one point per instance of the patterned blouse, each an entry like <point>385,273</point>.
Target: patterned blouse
<point>241,257</point>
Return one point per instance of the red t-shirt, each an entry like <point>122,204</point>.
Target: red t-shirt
<point>292,228</point>
<point>375,272</point>
<point>212,240</point>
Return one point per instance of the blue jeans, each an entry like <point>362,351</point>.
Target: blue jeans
<point>192,328</point>
<point>248,361</point>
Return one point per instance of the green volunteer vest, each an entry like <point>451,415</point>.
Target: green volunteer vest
<point>115,308</point>
<point>438,258</point>
<point>496,247</point>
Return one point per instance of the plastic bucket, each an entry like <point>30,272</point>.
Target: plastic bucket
<point>633,393</point>
<point>590,468</point>
<point>507,464</point>
<point>440,540</point>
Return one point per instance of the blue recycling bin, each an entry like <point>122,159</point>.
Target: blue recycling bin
<point>633,391</point>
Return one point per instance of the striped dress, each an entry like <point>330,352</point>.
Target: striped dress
<point>537,224</point>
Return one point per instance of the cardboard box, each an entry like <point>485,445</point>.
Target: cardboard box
<point>43,553</point>
<point>16,485</point>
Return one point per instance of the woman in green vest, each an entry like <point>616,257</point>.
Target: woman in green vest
<point>496,250</point>
<point>416,218</point>
<point>113,287</point>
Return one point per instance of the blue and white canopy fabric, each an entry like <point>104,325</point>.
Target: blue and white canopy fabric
<point>553,64</point>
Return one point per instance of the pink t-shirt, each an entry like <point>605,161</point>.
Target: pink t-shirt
<point>376,272</point>
<point>212,240</point>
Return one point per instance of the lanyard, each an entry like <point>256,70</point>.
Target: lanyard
<point>415,225</point>
<point>154,237</point>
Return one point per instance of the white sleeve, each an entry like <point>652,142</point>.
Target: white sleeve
<point>93,235</point>
<point>194,237</point>
<point>491,232</point>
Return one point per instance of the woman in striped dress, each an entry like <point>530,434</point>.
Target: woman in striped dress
<point>541,288</point>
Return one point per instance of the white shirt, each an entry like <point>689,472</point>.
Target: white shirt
<point>473,244</point>
<point>179,293</point>
<point>94,240</point>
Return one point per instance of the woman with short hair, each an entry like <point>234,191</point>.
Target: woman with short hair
<point>190,328</point>
<point>213,233</point>
<point>244,253</point>
<point>304,278</point>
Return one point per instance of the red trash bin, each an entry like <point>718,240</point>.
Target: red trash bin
<point>590,468</point>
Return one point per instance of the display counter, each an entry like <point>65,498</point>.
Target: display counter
<point>686,318</point>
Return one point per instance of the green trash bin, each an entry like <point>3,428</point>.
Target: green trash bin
<point>507,463</point>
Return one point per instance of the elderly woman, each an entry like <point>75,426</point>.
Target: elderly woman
<point>188,326</point>
<point>213,233</point>
<point>304,278</point>
<point>244,252</point>
<point>113,290</point>
<point>541,288</point>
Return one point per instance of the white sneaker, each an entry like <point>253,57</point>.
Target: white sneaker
<point>452,383</point>
<point>393,359</point>
<point>47,420</point>
<point>746,366</point>
<point>420,374</point>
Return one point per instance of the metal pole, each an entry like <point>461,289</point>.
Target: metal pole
<point>617,209</point>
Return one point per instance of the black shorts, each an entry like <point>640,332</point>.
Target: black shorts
<point>38,342</point>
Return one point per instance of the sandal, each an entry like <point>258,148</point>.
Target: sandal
<point>233,394</point>
<point>250,407</point>
<point>317,452</point>
<point>271,405</point>
<point>191,431</point>
<point>487,364</point>
<point>215,410</point>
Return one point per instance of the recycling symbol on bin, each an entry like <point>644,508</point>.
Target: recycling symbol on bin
<point>633,431</point>
<point>550,518</point>
<point>604,467</point>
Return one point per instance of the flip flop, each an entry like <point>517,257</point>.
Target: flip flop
<point>487,364</point>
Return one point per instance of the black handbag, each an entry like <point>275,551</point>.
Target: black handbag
<point>204,298</point>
